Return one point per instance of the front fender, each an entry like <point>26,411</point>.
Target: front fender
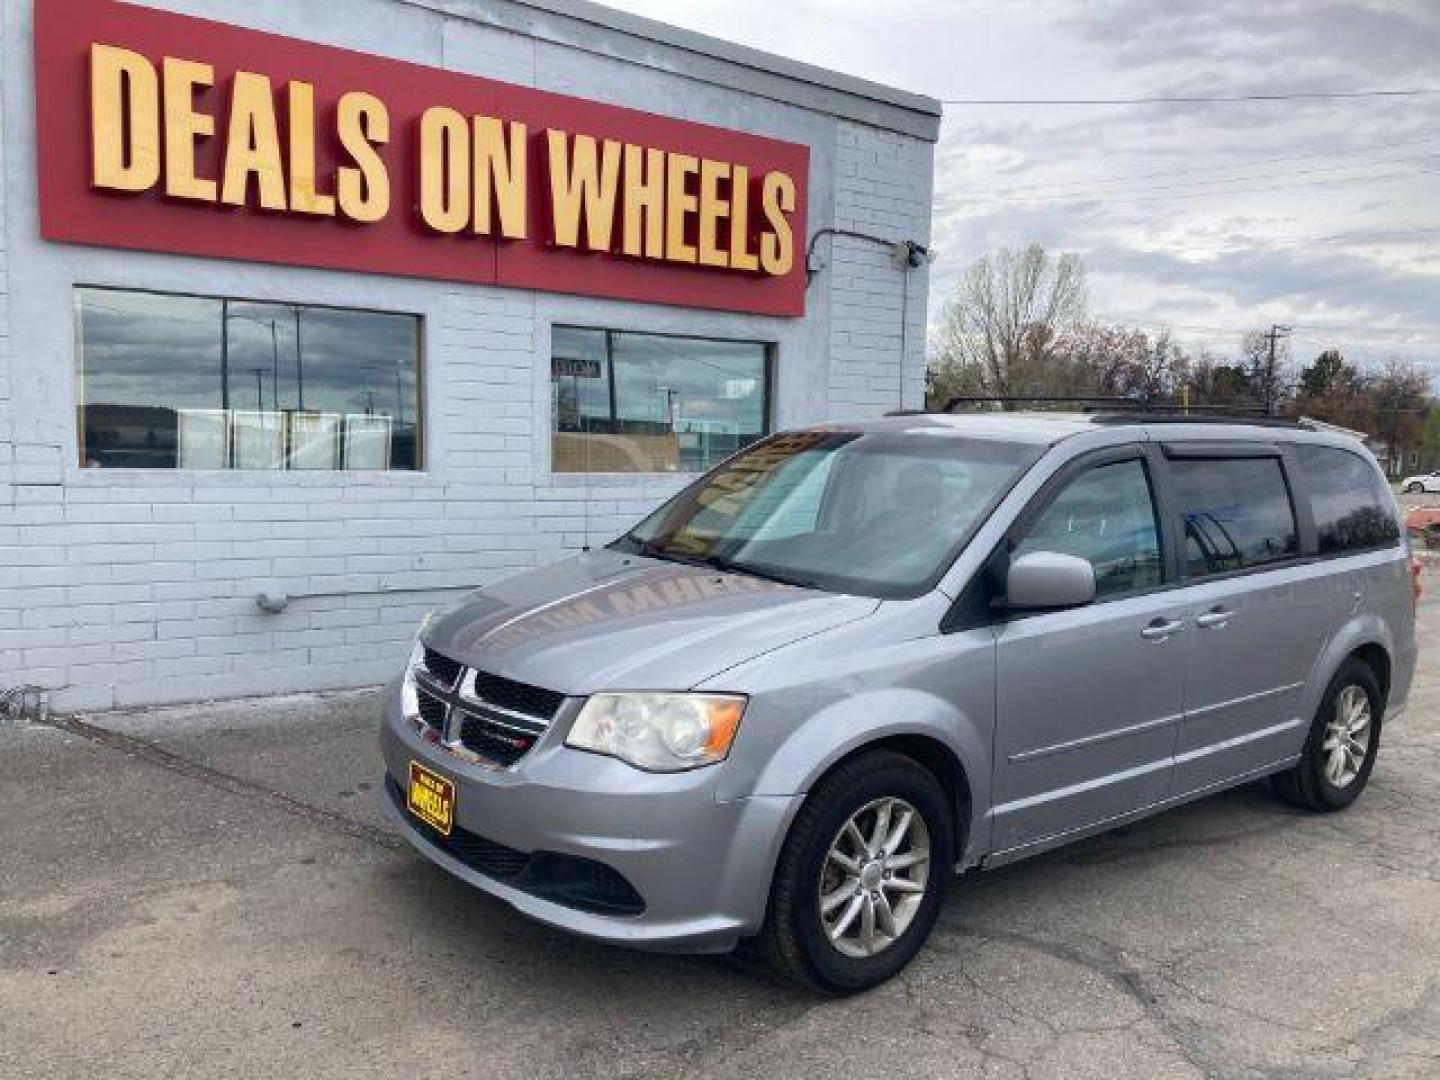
<point>843,727</point>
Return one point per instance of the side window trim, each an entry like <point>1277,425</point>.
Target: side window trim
<point>1061,478</point>
<point>1301,502</point>
<point>972,609</point>
<point>1260,452</point>
<point>1162,487</point>
<point>1215,448</point>
<point>1307,493</point>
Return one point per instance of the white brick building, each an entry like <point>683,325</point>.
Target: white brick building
<point>139,519</point>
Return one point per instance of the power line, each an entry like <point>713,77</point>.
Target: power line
<point>1209,187</point>
<point>1359,332</point>
<point>1355,238</point>
<point>1199,99</point>
<point>1339,328</point>
<point>1187,169</point>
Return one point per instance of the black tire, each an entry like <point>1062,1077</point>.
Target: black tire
<point>1414,489</point>
<point>1306,784</point>
<point>793,940</point>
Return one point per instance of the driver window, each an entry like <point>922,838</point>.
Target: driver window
<point>1107,517</point>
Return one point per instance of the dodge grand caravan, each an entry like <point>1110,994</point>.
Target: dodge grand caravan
<point>854,659</point>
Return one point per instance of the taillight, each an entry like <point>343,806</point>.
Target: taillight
<point>1415,585</point>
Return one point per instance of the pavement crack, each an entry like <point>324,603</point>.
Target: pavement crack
<point>1114,969</point>
<point>229,782</point>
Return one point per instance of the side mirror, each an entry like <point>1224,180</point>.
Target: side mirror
<point>1047,579</point>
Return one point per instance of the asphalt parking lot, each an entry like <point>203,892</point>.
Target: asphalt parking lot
<point>211,892</point>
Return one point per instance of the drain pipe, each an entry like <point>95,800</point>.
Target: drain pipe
<point>908,255</point>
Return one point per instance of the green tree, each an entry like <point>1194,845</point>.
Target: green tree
<point>1317,380</point>
<point>1430,438</point>
<point>1336,391</point>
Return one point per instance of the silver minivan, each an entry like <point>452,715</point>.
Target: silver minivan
<point>854,659</point>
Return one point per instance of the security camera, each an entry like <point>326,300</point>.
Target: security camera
<point>911,255</point>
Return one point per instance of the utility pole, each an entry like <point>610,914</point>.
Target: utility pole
<point>1276,333</point>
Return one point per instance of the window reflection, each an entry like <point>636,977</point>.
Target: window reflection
<point>629,402</point>
<point>171,381</point>
<point>1350,504</point>
<point>1237,513</point>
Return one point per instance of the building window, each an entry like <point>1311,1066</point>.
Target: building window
<point>191,382</point>
<point>648,403</point>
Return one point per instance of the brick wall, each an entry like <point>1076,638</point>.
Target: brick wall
<point>7,436</point>
<point>883,184</point>
<point>123,587</point>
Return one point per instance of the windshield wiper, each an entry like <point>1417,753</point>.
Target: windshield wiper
<point>715,562</point>
<point>719,562</point>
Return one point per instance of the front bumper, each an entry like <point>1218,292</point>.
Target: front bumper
<point>701,865</point>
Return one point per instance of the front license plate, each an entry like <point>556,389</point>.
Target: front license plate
<point>431,798</point>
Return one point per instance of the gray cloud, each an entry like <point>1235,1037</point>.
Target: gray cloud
<point>1332,233</point>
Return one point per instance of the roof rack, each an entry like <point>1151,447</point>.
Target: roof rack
<point>1082,403</point>
<point>1158,416</point>
<point>1124,410</point>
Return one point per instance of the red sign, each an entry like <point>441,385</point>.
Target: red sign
<point>163,132</point>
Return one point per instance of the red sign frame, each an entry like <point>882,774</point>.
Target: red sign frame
<point>72,210</point>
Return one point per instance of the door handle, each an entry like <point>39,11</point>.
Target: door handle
<point>1161,629</point>
<point>1217,619</point>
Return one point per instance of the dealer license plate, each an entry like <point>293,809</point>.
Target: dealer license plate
<point>431,798</point>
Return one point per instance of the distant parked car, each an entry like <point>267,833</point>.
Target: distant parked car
<point>1428,482</point>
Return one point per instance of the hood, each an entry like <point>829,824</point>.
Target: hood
<point>607,621</point>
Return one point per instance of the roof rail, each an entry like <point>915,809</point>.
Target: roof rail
<point>1163,417</point>
<point>1083,402</point>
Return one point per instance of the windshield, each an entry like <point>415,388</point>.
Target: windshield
<point>872,513</point>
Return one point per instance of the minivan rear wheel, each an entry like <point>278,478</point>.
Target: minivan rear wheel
<point>862,875</point>
<point>1344,739</point>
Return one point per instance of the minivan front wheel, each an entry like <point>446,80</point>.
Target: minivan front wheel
<point>862,875</point>
<point>1344,739</point>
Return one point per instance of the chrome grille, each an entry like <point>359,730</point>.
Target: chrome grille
<point>486,717</point>
<point>517,697</point>
<point>500,743</point>
<point>432,710</point>
<point>445,671</point>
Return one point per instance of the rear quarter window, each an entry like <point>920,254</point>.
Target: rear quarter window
<point>1352,509</point>
<point>1236,512</point>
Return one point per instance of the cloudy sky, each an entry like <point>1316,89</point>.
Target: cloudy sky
<point>1205,218</point>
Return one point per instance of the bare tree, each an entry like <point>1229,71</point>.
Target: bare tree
<point>1267,361</point>
<point>1400,392</point>
<point>1122,361</point>
<point>1002,329</point>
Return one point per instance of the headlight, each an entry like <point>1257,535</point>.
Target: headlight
<point>409,696</point>
<point>659,732</point>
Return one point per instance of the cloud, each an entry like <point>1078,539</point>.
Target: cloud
<point>1216,217</point>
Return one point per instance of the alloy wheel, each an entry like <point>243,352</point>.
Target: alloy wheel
<point>1347,736</point>
<point>875,876</point>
